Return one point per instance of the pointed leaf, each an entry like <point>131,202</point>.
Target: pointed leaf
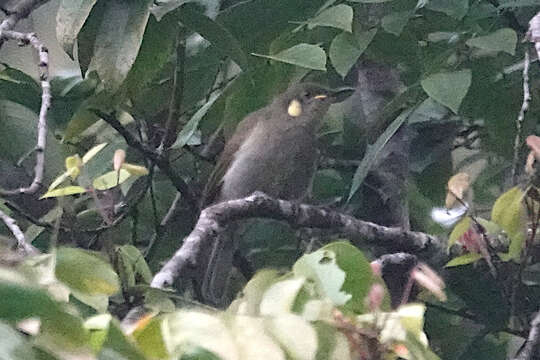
<point>464,259</point>
<point>460,229</point>
<point>93,152</point>
<point>339,17</point>
<point>504,40</point>
<point>448,89</point>
<point>509,213</point>
<point>303,55</point>
<point>395,22</point>
<point>454,8</point>
<point>346,49</point>
<point>70,19</point>
<point>373,151</point>
<point>68,190</point>
<point>110,179</point>
<point>280,297</point>
<point>136,170</point>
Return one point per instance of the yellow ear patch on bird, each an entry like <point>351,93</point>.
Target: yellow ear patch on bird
<point>321,97</point>
<point>295,108</point>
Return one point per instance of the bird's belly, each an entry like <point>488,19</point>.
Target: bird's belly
<point>282,171</point>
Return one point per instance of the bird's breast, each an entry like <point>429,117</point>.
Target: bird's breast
<point>275,161</point>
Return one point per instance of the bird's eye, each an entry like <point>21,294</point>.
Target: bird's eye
<point>307,94</point>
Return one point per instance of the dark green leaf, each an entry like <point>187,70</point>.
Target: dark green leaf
<point>454,8</point>
<point>395,22</point>
<point>374,150</point>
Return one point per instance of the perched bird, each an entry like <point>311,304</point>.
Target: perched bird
<point>273,150</point>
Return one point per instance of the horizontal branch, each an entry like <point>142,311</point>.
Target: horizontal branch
<point>213,220</point>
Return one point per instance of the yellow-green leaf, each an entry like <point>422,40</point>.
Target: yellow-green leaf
<point>133,169</point>
<point>110,179</point>
<point>509,213</point>
<point>93,152</point>
<point>68,190</point>
<point>461,227</point>
<point>464,259</point>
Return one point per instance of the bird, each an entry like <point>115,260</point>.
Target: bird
<point>273,150</point>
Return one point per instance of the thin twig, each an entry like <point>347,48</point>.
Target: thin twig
<point>521,116</point>
<point>23,247</point>
<point>531,347</point>
<point>43,53</point>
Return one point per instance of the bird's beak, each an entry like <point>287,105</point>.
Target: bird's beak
<point>340,94</point>
<point>321,97</point>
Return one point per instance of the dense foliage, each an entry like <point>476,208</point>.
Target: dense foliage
<point>141,104</point>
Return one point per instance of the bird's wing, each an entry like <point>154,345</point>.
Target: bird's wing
<point>215,182</point>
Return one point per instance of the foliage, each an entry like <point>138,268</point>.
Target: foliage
<point>177,73</point>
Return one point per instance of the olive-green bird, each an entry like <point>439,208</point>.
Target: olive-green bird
<point>273,150</point>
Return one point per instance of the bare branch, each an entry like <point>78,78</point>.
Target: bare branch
<point>23,247</point>
<point>20,11</point>
<point>521,116</point>
<point>213,220</point>
<point>531,348</point>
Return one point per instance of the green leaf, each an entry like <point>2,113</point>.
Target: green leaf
<point>189,129</point>
<point>453,8</point>
<point>68,190</point>
<point>92,152</point>
<point>464,259</point>
<point>449,88</point>
<point>110,179</point>
<point>369,1</point>
<point>339,17</point>
<point>346,48</point>
<point>517,4</point>
<point>509,213</point>
<point>150,340</point>
<point>163,7</point>
<point>85,272</point>
<point>118,38</point>
<point>253,341</point>
<point>395,22</point>
<point>70,19</point>
<point>133,256</point>
<point>321,267</point>
<point>303,55</point>
<point>461,228</point>
<point>215,33</point>
<point>373,151</point>
<point>13,346</point>
<point>20,87</point>
<point>504,40</point>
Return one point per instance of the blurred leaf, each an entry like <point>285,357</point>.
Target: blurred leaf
<point>136,170</point>
<point>283,328</point>
<point>13,346</point>
<point>339,17</point>
<point>200,330</point>
<point>303,55</point>
<point>460,229</point>
<point>68,190</point>
<point>161,8</point>
<point>119,344</point>
<point>110,179</point>
<point>395,22</point>
<point>253,341</point>
<point>454,8</point>
<point>280,297</point>
<point>322,269</point>
<point>69,20</point>
<point>448,88</point>
<point>464,259</point>
<point>504,40</point>
<point>135,258</point>
<point>373,151</point>
<point>346,49</point>
<point>253,292</point>
<point>118,39</point>
<point>457,186</point>
<point>509,213</point>
<point>85,272</point>
<point>150,340</point>
<point>20,87</point>
<point>517,4</point>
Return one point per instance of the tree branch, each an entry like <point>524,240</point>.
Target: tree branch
<point>531,348</point>
<point>23,247</point>
<point>21,11</point>
<point>213,220</point>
